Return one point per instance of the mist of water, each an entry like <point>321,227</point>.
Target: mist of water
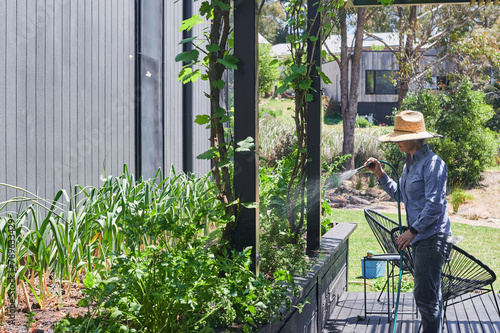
<point>346,175</point>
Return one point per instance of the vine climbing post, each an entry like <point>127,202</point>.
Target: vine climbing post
<point>314,130</point>
<point>246,120</point>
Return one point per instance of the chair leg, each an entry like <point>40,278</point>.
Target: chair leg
<point>383,289</point>
<point>495,298</point>
<point>386,285</point>
<point>444,317</point>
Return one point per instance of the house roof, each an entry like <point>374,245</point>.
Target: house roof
<point>389,38</point>
<point>262,40</point>
<point>333,43</point>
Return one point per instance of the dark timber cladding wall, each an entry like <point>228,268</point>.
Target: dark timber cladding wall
<point>197,136</point>
<point>66,92</point>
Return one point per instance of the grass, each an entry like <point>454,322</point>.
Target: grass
<point>482,242</point>
<point>493,168</point>
<point>285,107</point>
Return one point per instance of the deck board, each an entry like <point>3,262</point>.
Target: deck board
<point>478,314</point>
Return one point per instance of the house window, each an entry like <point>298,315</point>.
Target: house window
<point>379,83</point>
<point>437,83</point>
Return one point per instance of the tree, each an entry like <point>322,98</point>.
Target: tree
<point>349,86</point>
<point>272,18</point>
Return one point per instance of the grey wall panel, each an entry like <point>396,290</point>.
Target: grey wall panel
<point>201,105</point>
<point>66,93</point>
<point>201,135</point>
<point>10,96</point>
<point>3,104</point>
<point>173,95</point>
<point>173,88</point>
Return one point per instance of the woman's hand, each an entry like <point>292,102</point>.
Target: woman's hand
<point>405,239</point>
<point>375,167</point>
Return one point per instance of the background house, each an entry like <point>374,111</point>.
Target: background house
<point>378,94</point>
<point>88,86</point>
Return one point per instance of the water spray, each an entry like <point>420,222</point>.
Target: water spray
<point>348,174</point>
<point>398,196</point>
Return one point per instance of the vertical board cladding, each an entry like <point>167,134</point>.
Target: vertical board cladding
<point>201,105</point>
<point>66,93</point>
<point>173,108</point>
<point>3,99</point>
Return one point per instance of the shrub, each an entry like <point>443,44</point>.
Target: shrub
<point>460,116</point>
<point>494,123</point>
<point>332,113</point>
<point>459,197</point>
<point>268,70</point>
<point>362,122</point>
<point>266,111</point>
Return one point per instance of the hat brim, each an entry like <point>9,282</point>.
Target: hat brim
<point>398,136</point>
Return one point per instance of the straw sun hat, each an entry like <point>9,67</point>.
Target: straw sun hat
<point>408,125</point>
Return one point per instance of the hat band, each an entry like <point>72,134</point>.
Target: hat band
<point>406,131</point>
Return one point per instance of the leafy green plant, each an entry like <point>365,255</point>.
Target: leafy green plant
<point>460,116</point>
<point>268,69</point>
<point>298,71</point>
<point>31,320</point>
<point>459,197</point>
<point>362,122</point>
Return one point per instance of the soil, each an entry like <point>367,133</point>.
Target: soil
<point>356,193</point>
<point>44,319</point>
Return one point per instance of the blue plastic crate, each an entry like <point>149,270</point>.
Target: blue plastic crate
<point>374,269</point>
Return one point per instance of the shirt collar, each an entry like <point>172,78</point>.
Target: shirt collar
<point>418,154</point>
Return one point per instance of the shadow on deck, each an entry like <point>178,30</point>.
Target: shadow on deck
<point>472,315</point>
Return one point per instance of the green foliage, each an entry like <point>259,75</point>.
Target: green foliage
<point>216,56</point>
<point>494,123</point>
<point>407,284</point>
<point>460,116</point>
<point>459,197</point>
<point>149,251</point>
<point>277,247</point>
<point>268,69</point>
<point>298,79</point>
<point>274,113</point>
<point>176,289</point>
<point>362,122</point>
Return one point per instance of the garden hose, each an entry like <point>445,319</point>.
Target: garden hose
<point>398,195</point>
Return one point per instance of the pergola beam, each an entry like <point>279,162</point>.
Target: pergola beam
<point>376,3</point>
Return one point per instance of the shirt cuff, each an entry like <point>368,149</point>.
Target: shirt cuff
<point>413,230</point>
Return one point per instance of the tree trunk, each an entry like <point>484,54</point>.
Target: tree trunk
<point>407,53</point>
<point>350,113</point>
<point>344,76</point>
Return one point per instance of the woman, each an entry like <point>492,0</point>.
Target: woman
<point>423,191</point>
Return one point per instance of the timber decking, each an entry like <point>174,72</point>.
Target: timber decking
<point>472,315</point>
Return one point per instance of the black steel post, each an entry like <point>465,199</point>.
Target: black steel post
<point>246,120</point>
<point>187,99</point>
<point>314,133</point>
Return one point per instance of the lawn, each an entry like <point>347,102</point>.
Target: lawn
<point>481,242</point>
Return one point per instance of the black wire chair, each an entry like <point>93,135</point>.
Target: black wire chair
<point>381,226</point>
<point>462,274</point>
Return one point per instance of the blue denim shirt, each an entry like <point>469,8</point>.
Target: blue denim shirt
<point>423,191</point>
